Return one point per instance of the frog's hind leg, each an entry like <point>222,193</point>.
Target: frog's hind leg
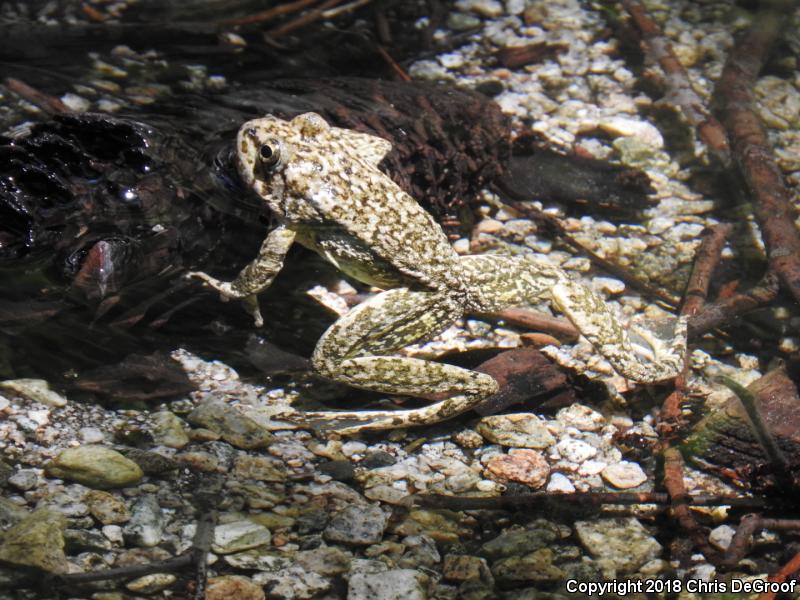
<point>510,280</point>
<point>359,350</point>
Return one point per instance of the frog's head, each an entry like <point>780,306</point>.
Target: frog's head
<point>267,147</point>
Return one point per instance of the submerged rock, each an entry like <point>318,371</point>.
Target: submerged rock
<point>95,467</point>
<point>36,541</point>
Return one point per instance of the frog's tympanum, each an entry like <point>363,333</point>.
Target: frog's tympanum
<point>324,186</point>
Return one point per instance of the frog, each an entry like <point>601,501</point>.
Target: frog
<point>326,191</point>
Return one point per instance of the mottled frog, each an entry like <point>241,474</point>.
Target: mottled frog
<point>325,188</point>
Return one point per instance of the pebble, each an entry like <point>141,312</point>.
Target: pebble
<point>150,584</point>
<point>559,484</point>
<point>36,541</point>
<point>234,427</point>
<point>233,587</point>
<point>624,475</point>
<point>169,430</point>
<point>521,430</point>
<point>575,451</point>
<point>394,584</point>
<point>146,525</point>
<point>522,466</point>
<point>95,467</point>
<point>622,542</point>
<point>360,525</point>
<point>259,468</point>
<point>37,390</point>
<point>720,537</point>
<point>293,583</point>
<point>642,131</point>
<point>581,418</point>
<point>238,536</point>
<point>462,567</point>
<point>24,479</point>
<point>107,508</point>
<point>91,435</point>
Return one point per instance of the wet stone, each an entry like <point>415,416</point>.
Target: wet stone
<point>462,567</point>
<point>421,552</point>
<point>624,475</point>
<point>357,525</point>
<point>24,479</point>
<point>150,584</point>
<point>234,427</point>
<point>625,543</point>
<point>377,459</point>
<point>107,508</point>
<point>581,417</point>
<point>292,583</point>
<point>37,390</point>
<point>528,467</point>
<point>340,470</point>
<point>10,513</point>
<point>95,467</point>
<point>444,526</point>
<point>37,541</point>
<point>259,559</point>
<point>151,463</point>
<point>394,584</point>
<point>259,468</point>
<point>169,430</point>
<point>146,526</point>
<point>233,587</point>
<point>519,542</point>
<point>520,430</point>
<point>327,561</point>
<point>238,536</point>
<point>535,567</point>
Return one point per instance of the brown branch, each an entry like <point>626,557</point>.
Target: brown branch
<point>396,68</point>
<point>735,106</point>
<point>706,260</point>
<point>782,575</point>
<point>588,499</point>
<point>724,312</point>
<point>679,87</point>
<point>743,538</point>
<point>49,104</point>
<point>271,13</point>
<point>303,20</point>
<point>561,329</point>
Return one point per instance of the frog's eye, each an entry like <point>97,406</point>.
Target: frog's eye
<point>270,153</point>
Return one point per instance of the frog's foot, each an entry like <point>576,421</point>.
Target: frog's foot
<point>227,291</point>
<point>647,352</point>
<point>373,420</point>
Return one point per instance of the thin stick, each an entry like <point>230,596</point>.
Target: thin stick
<point>750,145</point>
<point>679,87</point>
<point>271,13</point>
<point>303,20</point>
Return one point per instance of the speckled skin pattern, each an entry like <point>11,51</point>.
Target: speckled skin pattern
<point>324,186</point>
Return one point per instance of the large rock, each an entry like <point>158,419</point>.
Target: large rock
<point>95,467</point>
<point>36,541</point>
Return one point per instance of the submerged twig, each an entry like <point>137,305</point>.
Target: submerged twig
<point>723,312</point>
<point>752,152</point>
<point>271,13</point>
<point>49,104</point>
<point>706,260</point>
<point>679,87</point>
<point>588,499</point>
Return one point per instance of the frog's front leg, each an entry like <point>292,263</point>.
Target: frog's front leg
<point>256,276</point>
<point>359,350</point>
<point>508,280</point>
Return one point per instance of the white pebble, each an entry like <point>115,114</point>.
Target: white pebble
<point>624,475</point>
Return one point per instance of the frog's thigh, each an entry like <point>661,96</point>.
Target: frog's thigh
<point>357,350</point>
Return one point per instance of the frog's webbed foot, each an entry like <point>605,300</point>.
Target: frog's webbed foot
<point>227,292</point>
